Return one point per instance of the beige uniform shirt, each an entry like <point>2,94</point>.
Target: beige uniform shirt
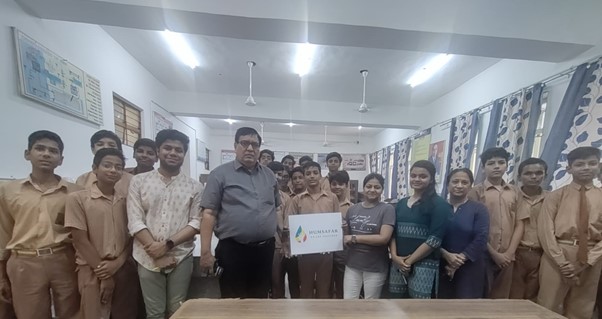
<point>164,206</point>
<point>87,179</point>
<point>305,203</point>
<point>530,205</point>
<point>501,202</point>
<point>31,218</point>
<point>325,185</point>
<point>559,217</point>
<point>104,218</point>
<point>284,198</point>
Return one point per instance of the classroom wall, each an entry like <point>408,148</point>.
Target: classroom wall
<point>92,50</point>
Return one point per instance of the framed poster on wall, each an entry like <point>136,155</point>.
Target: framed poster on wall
<point>160,123</point>
<point>228,156</point>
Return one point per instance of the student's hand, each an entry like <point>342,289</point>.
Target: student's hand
<point>455,260</point>
<point>405,267</point>
<point>106,269</point>
<point>347,240</point>
<point>5,294</point>
<point>509,256</point>
<point>567,270</point>
<point>156,249</point>
<point>166,262</point>
<point>207,262</point>
<point>579,268</point>
<point>501,260</point>
<point>450,271</point>
<point>106,290</point>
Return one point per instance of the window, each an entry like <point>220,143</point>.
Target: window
<point>127,120</point>
<point>537,147</point>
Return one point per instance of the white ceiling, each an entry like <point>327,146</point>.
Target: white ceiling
<point>282,128</point>
<point>390,38</point>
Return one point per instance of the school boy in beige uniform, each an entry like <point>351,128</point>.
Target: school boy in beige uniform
<point>570,231</point>
<point>36,255</point>
<point>97,218</point>
<point>506,225</point>
<point>314,267</point>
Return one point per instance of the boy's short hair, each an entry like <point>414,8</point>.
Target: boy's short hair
<point>533,161</point>
<point>334,154</point>
<point>297,169</point>
<point>341,177</point>
<point>266,151</point>
<point>105,134</point>
<point>107,152</point>
<point>310,164</point>
<point>494,152</point>
<point>171,134</point>
<point>305,158</point>
<point>42,134</point>
<point>582,152</point>
<point>276,166</point>
<point>145,142</point>
<point>288,157</point>
<point>243,131</point>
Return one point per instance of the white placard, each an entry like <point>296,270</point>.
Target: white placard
<point>315,233</point>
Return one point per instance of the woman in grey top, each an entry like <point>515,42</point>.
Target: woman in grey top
<point>370,227</point>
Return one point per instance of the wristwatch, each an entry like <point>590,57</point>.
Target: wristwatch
<point>353,239</point>
<point>169,244</point>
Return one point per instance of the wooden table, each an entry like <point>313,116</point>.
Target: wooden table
<point>364,309</point>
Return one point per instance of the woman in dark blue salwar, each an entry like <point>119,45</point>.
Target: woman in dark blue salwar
<point>420,225</point>
<point>465,243</point>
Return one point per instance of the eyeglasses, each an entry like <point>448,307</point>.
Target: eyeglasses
<point>245,144</point>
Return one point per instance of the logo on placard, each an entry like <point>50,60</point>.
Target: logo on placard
<point>300,235</point>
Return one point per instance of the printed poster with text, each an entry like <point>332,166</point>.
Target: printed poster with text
<point>315,233</point>
<point>421,146</point>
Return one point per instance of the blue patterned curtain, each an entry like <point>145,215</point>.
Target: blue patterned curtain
<point>510,127</point>
<point>384,170</point>
<point>495,117</point>
<point>568,108</point>
<point>403,167</point>
<point>373,162</point>
<point>586,124</point>
<point>463,133</point>
<point>393,181</point>
<point>514,126</point>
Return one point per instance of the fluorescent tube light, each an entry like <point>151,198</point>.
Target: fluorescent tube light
<point>304,58</point>
<point>180,48</point>
<point>427,71</point>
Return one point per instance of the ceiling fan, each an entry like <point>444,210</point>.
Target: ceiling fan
<point>325,143</point>
<point>364,107</point>
<point>250,100</point>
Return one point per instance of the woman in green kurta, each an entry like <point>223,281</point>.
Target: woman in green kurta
<point>420,224</point>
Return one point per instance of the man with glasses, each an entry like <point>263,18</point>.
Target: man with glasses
<point>239,205</point>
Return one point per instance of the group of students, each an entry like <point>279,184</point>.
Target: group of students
<point>118,232</point>
<point>93,247</point>
<point>490,240</point>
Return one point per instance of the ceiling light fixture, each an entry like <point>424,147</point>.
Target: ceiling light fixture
<point>250,100</point>
<point>304,58</point>
<point>364,107</point>
<point>230,121</point>
<point>359,128</point>
<point>180,48</point>
<point>427,71</point>
<point>291,124</point>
